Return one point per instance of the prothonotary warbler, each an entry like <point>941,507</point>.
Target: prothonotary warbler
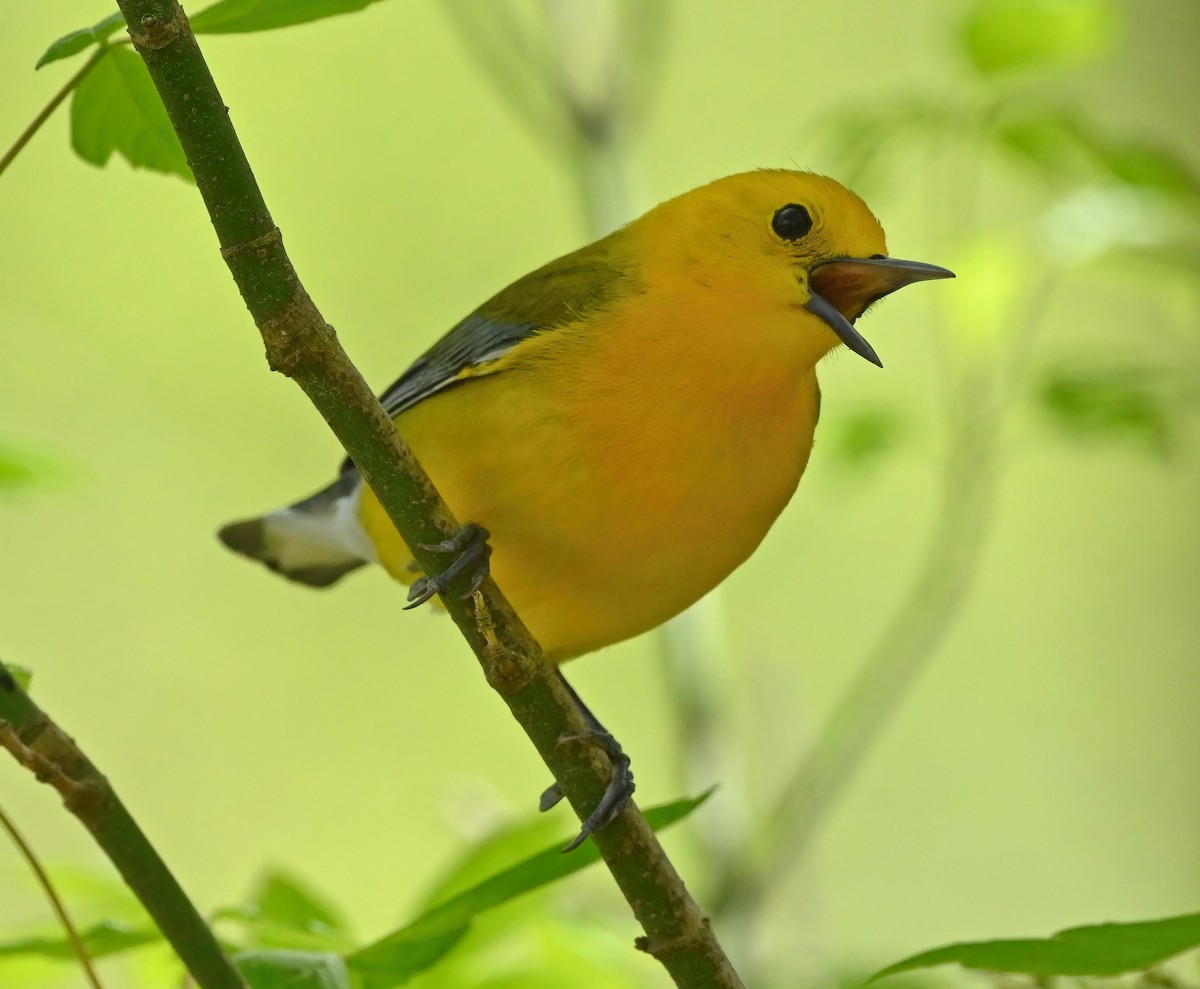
<point>627,421</point>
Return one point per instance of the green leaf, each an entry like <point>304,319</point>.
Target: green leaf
<point>286,913</point>
<point>260,933</point>
<point>1064,145</point>
<point>77,41</point>
<point>1100,950</point>
<point>292,970</point>
<point>1055,140</point>
<point>239,16</point>
<point>105,938</point>
<point>1004,35</point>
<point>399,956</point>
<point>1147,166</point>
<point>223,17</point>
<point>1111,403</point>
<point>286,900</point>
<point>494,853</point>
<point>116,108</point>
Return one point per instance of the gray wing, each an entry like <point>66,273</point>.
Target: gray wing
<point>475,341</point>
<point>566,290</point>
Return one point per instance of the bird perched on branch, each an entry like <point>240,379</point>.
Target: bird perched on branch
<point>620,427</point>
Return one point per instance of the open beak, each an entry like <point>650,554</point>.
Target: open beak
<point>843,288</point>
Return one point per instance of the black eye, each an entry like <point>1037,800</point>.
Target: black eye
<point>791,222</point>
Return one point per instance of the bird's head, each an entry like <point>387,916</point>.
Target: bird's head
<point>795,239</point>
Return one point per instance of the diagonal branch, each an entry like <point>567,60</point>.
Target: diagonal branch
<point>48,752</point>
<point>303,346</point>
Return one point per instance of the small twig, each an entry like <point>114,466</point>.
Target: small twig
<point>36,124</point>
<point>43,748</point>
<point>56,903</point>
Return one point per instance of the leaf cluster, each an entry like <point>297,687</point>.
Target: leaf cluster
<point>286,934</point>
<point>1095,195</point>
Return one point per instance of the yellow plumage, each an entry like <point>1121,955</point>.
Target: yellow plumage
<point>628,421</point>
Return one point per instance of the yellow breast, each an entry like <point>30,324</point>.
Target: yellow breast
<point>623,467</point>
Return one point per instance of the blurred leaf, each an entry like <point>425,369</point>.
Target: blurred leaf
<point>77,41</point>
<point>286,913</point>
<point>100,892</point>
<point>1114,403</point>
<point>22,674</point>
<point>1003,35</point>
<point>1053,139</point>
<point>286,900</point>
<point>1067,147</point>
<point>397,957</point>
<point>258,932</point>
<point>530,978</point>
<point>238,16</point>
<point>23,466</point>
<point>1098,950</point>
<point>116,108</point>
<point>292,970</point>
<point>17,469</point>
<point>862,436</point>
<point>403,955</point>
<point>533,941</point>
<point>105,938</point>
<point>491,855</point>
<point>14,473</point>
<point>1153,168</point>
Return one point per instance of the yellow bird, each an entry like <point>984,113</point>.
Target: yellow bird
<point>627,421</point>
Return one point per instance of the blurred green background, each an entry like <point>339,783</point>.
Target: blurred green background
<point>1037,764</point>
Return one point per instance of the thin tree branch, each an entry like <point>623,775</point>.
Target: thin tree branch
<point>43,748</point>
<point>36,124</point>
<point>303,346</point>
<point>56,904</point>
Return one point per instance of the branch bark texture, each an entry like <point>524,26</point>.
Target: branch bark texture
<point>300,344</point>
<point>43,748</point>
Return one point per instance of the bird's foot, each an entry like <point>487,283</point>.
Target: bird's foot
<point>616,795</point>
<point>471,552</point>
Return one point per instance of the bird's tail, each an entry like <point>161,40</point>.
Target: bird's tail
<point>315,541</point>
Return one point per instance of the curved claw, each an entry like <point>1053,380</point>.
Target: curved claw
<point>472,549</point>
<point>550,797</point>
<point>616,795</point>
